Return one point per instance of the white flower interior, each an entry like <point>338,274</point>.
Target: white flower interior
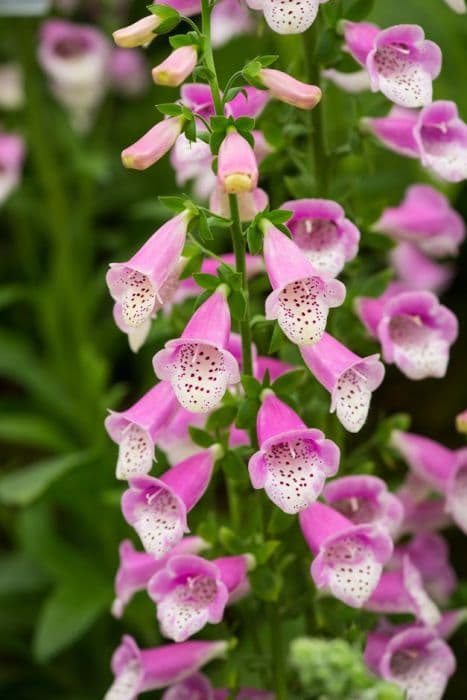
<point>352,397</point>
<point>418,673</point>
<point>353,571</point>
<point>159,524</point>
<point>402,79</point>
<point>135,452</point>
<point>138,298</point>
<point>302,311</point>
<point>420,351</point>
<point>320,241</point>
<point>199,377</point>
<point>184,611</point>
<point>290,16</point>
<point>125,685</point>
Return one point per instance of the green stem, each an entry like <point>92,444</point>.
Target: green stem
<point>278,654</point>
<point>206,10</point>
<point>239,247</point>
<point>317,139</point>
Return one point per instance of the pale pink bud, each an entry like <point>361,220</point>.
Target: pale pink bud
<point>177,67</point>
<point>287,89</point>
<point>137,34</point>
<point>153,145</point>
<point>237,168</point>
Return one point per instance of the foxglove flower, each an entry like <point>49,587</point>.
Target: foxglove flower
<point>430,461</point>
<point>127,70</point>
<point>137,568</point>
<point>365,500</point>
<point>402,64</point>
<point>175,439</point>
<point>287,89</point>
<point>142,284</point>
<point>322,232</point>
<point>192,160</point>
<point>402,592</point>
<point>135,430</point>
<point>441,136</point>
<point>138,670</point>
<point>76,58</point>
<point>430,555</point>
<point>198,364</point>
<point>177,67</point>
<point>237,169</point>
<point>140,33</point>
<point>457,5</point>
<point>350,379</point>
<point>153,145</point>
<point>11,163</point>
<point>353,83</point>
<point>301,297</point>
<point>422,512</point>
<point>190,592</point>
<point>157,508</point>
<point>293,461</point>
<point>199,687</point>
<point>419,272</point>
<point>249,203</point>
<point>416,659</point>
<point>293,17</point>
<point>359,38</point>
<point>415,332</point>
<point>425,218</point>
<point>349,558</point>
<point>229,19</point>
<point>395,131</point>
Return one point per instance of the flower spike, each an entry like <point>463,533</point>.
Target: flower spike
<point>198,364</point>
<point>158,508</point>
<point>293,461</point>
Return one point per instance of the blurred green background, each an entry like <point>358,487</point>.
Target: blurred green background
<point>63,362</point>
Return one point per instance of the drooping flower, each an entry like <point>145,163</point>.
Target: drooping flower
<point>417,271</point>
<point>190,592</point>
<point>422,511</point>
<point>142,284</point>
<point>138,670</point>
<point>128,72</point>
<point>293,461</point>
<point>402,64</point>
<point>140,33</point>
<point>293,17</point>
<point>301,297</point>
<point>425,217</point>
<point>457,5</point>
<point>415,331</point>
<point>229,19</point>
<point>176,68</point>
<point>441,136</point>
<point>249,203</point>
<point>198,687</point>
<point>137,568</point>
<point>76,58</point>
<point>416,659</point>
<point>429,553</point>
<point>350,379</point>
<point>395,131</point>
<point>198,364</point>
<point>237,169</point>
<point>153,145</point>
<point>322,232</point>
<point>401,592</point>
<point>12,153</point>
<point>353,83</point>
<point>157,508</point>
<point>359,38</point>
<point>135,430</point>
<point>287,89</point>
<point>365,499</point>
<point>349,558</point>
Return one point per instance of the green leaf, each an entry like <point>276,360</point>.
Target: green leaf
<point>265,550</point>
<point>25,485</point>
<point>168,16</point>
<point>375,285</point>
<point>254,237</point>
<point>230,541</point>
<point>67,614</point>
<point>20,574</point>
<point>237,305</point>
<point>251,386</point>
<point>175,204</point>
<point>32,430</point>
<point>203,227</point>
<point>171,109</point>
<point>222,418</point>
<point>289,381</point>
<point>234,467</point>
<point>278,216</point>
<point>206,281</point>
<point>245,123</point>
<point>192,266</point>
<point>179,40</point>
<point>277,339</point>
<point>267,60</point>
<point>200,437</point>
<point>190,130</point>
<point>247,413</point>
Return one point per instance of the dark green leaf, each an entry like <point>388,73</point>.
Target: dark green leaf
<point>375,285</point>
<point>237,304</point>
<point>234,467</point>
<point>277,340</point>
<point>206,281</point>
<point>200,437</point>
<point>170,109</point>
<point>247,413</point>
<point>222,418</point>
<point>254,237</point>
<point>289,381</point>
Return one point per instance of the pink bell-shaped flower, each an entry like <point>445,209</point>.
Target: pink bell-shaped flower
<point>190,592</point>
<point>301,297</point>
<point>137,568</point>
<point>417,271</point>
<point>422,512</point>
<point>416,659</point>
<point>350,379</point>
<point>441,136</point>
<point>140,33</point>
<point>395,131</point>
<point>199,687</point>
<point>197,364</point>
<point>135,430</point>
<point>177,67</point>
<point>153,145</point>
<point>139,670</point>
<point>322,232</point>
<point>359,38</point>
<point>293,461</point>
<point>141,285</point>
<point>293,17</point>
<point>157,508</point>
<point>349,558</point>
<point>287,89</point>
<point>237,169</point>
<point>365,499</point>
